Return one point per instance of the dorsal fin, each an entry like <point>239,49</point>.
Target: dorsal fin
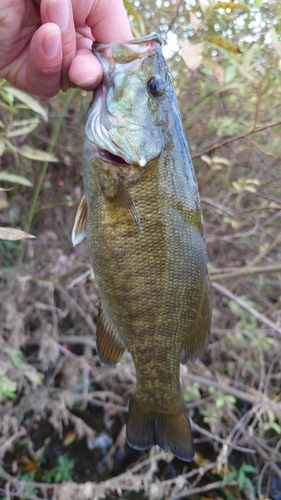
<point>79,228</point>
<point>110,346</point>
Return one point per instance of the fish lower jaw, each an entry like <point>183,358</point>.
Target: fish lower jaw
<point>109,157</point>
<point>116,160</point>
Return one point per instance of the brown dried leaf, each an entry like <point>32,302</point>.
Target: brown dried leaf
<point>230,5</point>
<point>196,23</point>
<point>223,43</point>
<point>216,69</point>
<point>12,234</point>
<point>204,4</point>
<point>192,54</point>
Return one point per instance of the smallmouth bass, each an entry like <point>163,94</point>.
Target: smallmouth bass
<point>142,219</point>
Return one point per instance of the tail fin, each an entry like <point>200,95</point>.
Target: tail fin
<point>168,430</point>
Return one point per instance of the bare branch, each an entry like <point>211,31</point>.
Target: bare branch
<point>260,317</point>
<point>236,137</point>
<point>231,272</point>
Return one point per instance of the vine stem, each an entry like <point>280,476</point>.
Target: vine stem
<point>45,164</point>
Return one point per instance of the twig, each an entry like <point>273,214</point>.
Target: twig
<point>8,443</point>
<point>259,147</point>
<point>250,398</point>
<point>23,483</point>
<point>236,137</point>
<point>77,339</point>
<point>230,445</point>
<point>66,352</point>
<point>17,494</point>
<point>234,236</point>
<point>7,491</point>
<point>218,205</point>
<point>268,249</point>
<point>104,404</point>
<point>243,271</point>
<point>91,325</point>
<point>202,489</point>
<point>260,317</point>
<point>231,272</point>
<point>77,280</point>
<point>200,471</point>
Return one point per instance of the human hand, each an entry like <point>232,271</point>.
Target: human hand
<point>45,45</point>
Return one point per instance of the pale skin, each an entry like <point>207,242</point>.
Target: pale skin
<point>45,45</point>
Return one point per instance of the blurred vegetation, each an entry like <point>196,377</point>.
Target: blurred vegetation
<point>62,414</point>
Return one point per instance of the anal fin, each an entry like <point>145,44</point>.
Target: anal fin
<point>79,228</point>
<point>110,346</point>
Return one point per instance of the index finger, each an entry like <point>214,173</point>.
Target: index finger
<point>108,21</point>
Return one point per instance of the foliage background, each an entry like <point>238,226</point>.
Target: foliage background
<point>54,394</point>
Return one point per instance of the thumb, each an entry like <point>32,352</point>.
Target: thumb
<point>43,67</point>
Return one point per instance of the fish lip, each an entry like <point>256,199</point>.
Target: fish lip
<point>129,50</point>
<point>109,157</point>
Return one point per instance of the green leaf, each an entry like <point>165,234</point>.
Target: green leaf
<point>16,357</point>
<point>2,147</point>
<point>229,74</point>
<point>33,375</point>
<point>220,402</point>
<point>31,102</point>
<point>36,154</point>
<point>8,98</point>
<point>229,477</point>
<point>271,415</point>
<point>241,479</point>
<point>7,386</point>
<point>15,178</point>
<point>10,395</point>
<point>249,468</point>
<point>248,484</point>
<point>231,399</point>
<point>25,128</point>
<point>272,425</point>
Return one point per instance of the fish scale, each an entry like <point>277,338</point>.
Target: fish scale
<point>144,227</point>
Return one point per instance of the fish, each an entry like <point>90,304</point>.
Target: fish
<point>142,218</point>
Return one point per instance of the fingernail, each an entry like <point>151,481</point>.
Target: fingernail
<point>52,43</point>
<point>59,13</point>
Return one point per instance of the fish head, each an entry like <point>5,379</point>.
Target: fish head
<point>126,116</point>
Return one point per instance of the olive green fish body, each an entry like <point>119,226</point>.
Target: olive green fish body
<point>146,239</point>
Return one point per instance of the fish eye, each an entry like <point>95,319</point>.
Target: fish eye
<point>156,86</point>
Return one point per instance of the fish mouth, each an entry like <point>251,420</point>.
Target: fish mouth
<point>113,159</point>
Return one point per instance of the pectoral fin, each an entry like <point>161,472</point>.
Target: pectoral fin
<point>79,228</point>
<point>121,201</point>
<point>110,346</point>
<point>197,338</point>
